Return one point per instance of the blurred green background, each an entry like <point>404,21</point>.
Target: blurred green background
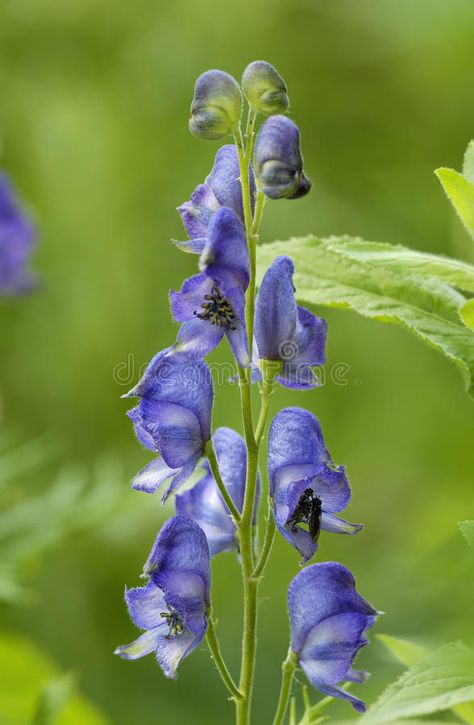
<point>93,128</point>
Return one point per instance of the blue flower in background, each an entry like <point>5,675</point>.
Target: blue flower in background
<point>17,238</point>
<point>173,418</point>
<point>204,503</point>
<point>212,304</point>
<point>172,607</point>
<point>285,331</point>
<point>306,487</point>
<point>329,620</point>
<point>221,188</point>
<point>278,163</point>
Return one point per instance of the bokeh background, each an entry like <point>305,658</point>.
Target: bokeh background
<point>94,99</point>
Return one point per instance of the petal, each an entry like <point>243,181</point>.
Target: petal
<point>332,487</point>
<point>320,591</point>
<point>170,651</point>
<point>17,239</point>
<point>332,523</point>
<point>196,338</point>
<point>180,432</point>
<point>150,478</point>
<point>298,377</point>
<point>145,605</point>
<point>300,539</point>
<point>225,258</point>
<point>310,338</point>
<point>182,475</point>
<point>187,302</point>
<point>204,504</point>
<point>143,645</point>
<point>191,246</point>
<point>224,180</point>
<point>232,458</point>
<point>179,559</point>
<point>196,213</point>
<point>141,432</point>
<point>238,338</point>
<point>275,312</point>
<point>296,447</point>
<point>336,692</point>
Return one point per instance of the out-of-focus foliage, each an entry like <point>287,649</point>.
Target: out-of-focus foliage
<point>93,125</point>
<point>33,690</point>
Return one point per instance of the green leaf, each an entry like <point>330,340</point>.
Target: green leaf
<point>468,167</point>
<point>407,653</point>
<point>466,313</point>
<point>460,191</point>
<point>427,307</point>
<point>467,530</point>
<point>442,680</point>
<point>403,260</point>
<point>32,689</point>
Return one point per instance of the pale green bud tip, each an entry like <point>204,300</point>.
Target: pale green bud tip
<point>264,88</point>
<point>216,106</point>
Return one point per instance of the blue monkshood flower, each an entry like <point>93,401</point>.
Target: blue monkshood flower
<point>329,621</point>
<point>172,607</point>
<point>221,187</point>
<point>17,238</point>
<point>306,487</point>
<point>278,161</point>
<point>173,418</point>
<point>264,88</point>
<point>286,332</point>
<point>212,304</point>
<point>204,502</point>
<point>216,106</point>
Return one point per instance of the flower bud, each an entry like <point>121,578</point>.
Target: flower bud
<point>216,106</point>
<point>264,88</point>
<point>278,161</point>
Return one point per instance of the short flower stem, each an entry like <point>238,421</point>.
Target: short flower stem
<point>213,644</point>
<point>267,543</point>
<point>288,669</point>
<point>212,458</point>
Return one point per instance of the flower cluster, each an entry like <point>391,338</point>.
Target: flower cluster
<point>17,238</point>
<point>272,340</point>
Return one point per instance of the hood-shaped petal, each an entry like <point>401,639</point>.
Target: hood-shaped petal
<point>329,620</point>
<point>225,258</point>
<point>275,311</point>
<point>296,447</point>
<point>17,239</point>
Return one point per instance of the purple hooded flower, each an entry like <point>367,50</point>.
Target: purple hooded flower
<point>306,487</point>
<point>172,607</point>
<point>221,188</point>
<point>212,304</point>
<point>204,503</point>
<point>17,238</point>
<point>173,418</point>
<point>278,163</point>
<point>329,620</point>
<point>286,332</point>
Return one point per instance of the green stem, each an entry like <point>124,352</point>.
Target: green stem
<point>257,217</point>
<point>267,542</point>
<point>212,458</point>
<point>213,644</point>
<point>269,369</point>
<point>288,669</point>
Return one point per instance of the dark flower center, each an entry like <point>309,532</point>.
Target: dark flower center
<point>307,511</point>
<point>217,310</point>
<point>174,622</point>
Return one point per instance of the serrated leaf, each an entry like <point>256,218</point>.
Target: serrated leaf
<point>406,652</point>
<point>466,313</point>
<point>468,166</point>
<point>467,530</point>
<point>398,258</point>
<point>439,682</point>
<point>427,307</point>
<point>460,191</point>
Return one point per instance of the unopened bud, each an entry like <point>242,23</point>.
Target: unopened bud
<point>278,160</point>
<point>264,88</point>
<point>216,106</point>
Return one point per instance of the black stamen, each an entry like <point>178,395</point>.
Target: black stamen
<point>307,511</point>
<point>217,310</point>
<point>174,622</point>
